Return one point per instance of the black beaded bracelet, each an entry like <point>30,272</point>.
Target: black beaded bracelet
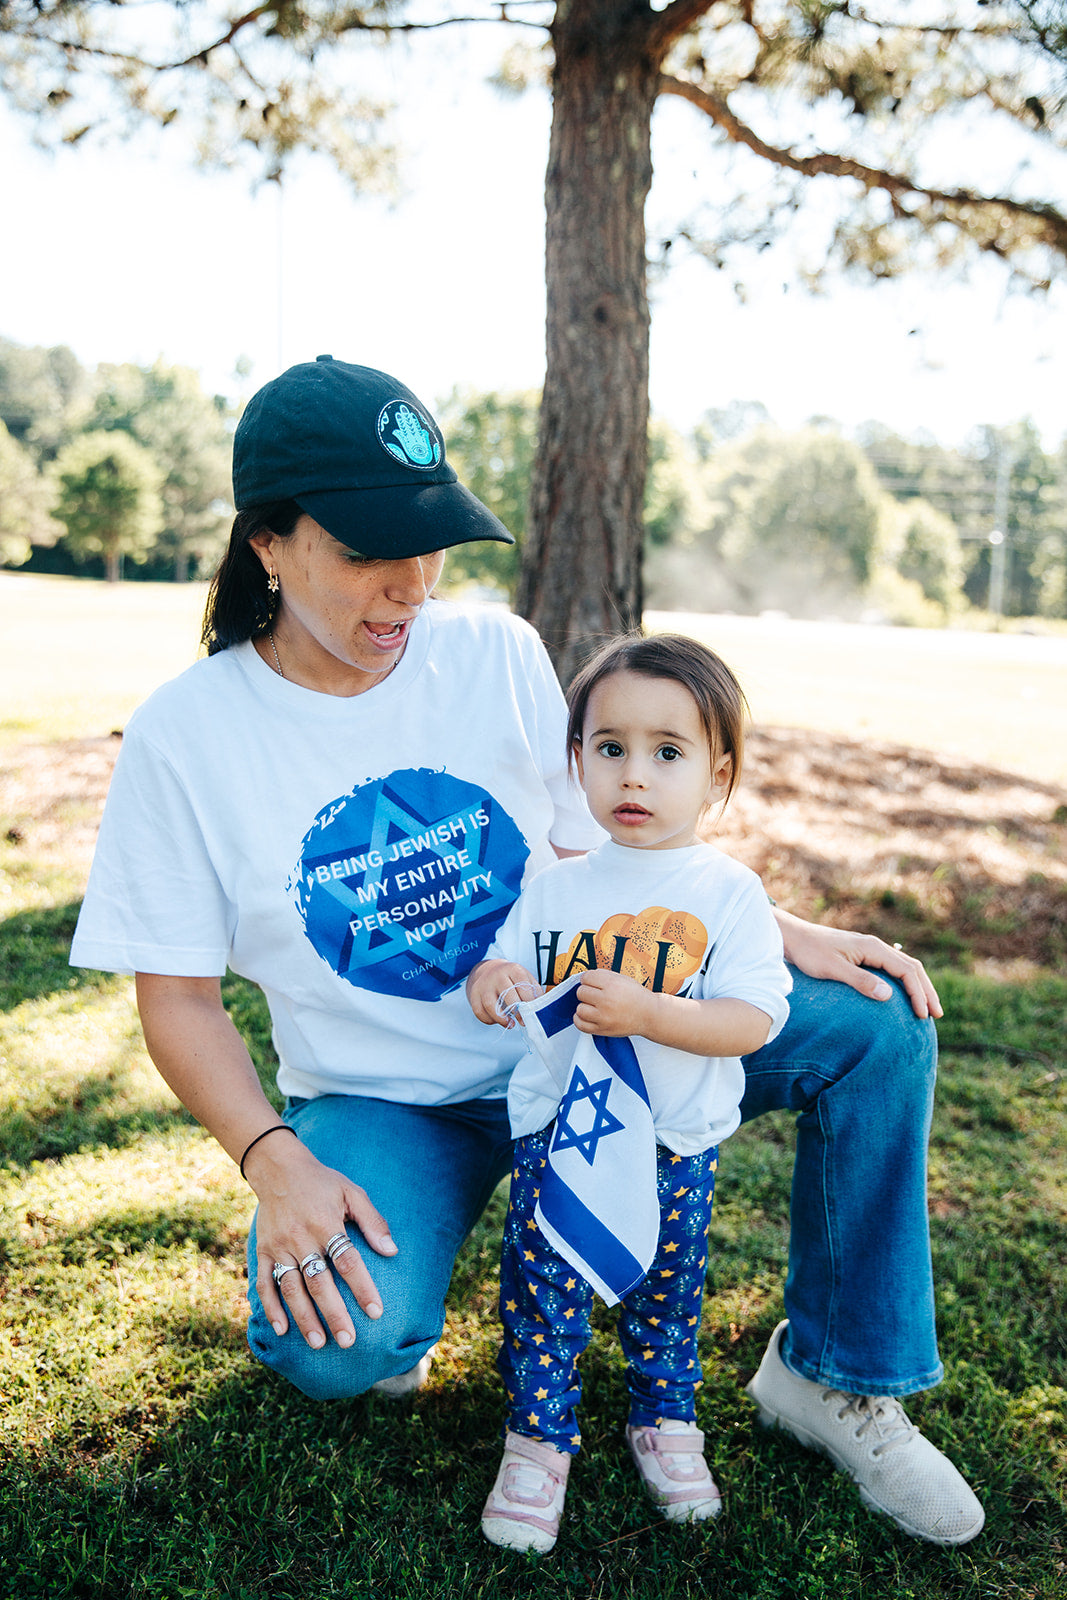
<point>279,1127</point>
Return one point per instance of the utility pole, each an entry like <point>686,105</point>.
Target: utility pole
<point>998,560</point>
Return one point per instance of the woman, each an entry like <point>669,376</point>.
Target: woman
<point>341,803</point>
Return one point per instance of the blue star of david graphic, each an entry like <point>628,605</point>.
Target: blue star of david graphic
<point>430,869</point>
<point>568,1137</point>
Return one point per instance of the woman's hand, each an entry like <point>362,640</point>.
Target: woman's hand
<point>848,958</point>
<point>488,985</point>
<point>302,1206</point>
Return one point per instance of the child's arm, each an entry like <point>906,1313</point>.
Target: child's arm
<point>611,1004</point>
<point>489,980</point>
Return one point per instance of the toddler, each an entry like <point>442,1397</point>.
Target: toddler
<point>666,953</point>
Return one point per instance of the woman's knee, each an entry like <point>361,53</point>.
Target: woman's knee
<point>382,1349</point>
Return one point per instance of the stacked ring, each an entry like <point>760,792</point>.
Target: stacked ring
<point>313,1264</point>
<point>338,1245</point>
<point>278,1271</point>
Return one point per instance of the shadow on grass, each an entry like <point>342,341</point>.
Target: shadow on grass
<point>255,1490</point>
<point>84,1119</point>
<point>237,1486</point>
<point>34,951</point>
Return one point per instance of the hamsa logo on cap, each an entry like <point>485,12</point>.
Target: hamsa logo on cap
<point>409,436</point>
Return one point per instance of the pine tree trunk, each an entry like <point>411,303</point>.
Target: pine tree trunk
<point>581,575</point>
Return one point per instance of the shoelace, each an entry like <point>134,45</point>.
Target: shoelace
<point>880,1413</point>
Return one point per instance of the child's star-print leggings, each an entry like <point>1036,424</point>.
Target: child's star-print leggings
<point>545,1305</point>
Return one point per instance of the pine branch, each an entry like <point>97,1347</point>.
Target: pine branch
<point>1051,224</point>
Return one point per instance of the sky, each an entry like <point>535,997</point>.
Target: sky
<point>127,252</point>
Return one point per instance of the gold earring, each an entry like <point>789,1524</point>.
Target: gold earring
<point>272,582</point>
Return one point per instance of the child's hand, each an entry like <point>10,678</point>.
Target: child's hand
<point>612,1005</point>
<point>488,989</point>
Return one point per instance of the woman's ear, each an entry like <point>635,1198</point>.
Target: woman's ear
<point>263,544</point>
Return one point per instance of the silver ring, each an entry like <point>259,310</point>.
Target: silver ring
<point>340,1249</point>
<point>278,1272</point>
<point>898,947</point>
<point>312,1265</point>
<point>335,1245</point>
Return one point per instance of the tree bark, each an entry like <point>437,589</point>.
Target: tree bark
<point>581,574</point>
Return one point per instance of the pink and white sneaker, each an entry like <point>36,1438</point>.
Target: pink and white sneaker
<point>671,1465</point>
<point>526,1501</point>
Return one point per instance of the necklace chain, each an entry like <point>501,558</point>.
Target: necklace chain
<point>278,663</point>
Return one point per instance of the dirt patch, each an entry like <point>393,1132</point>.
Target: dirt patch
<point>944,856</point>
<point>957,862</point>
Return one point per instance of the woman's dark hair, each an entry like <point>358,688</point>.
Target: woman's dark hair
<point>718,695</point>
<point>239,604</point>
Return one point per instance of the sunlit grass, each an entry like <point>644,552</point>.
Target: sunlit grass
<point>143,1453</point>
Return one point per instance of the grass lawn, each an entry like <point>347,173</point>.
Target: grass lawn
<point>143,1453</point>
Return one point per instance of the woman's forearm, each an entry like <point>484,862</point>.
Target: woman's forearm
<point>201,1055</point>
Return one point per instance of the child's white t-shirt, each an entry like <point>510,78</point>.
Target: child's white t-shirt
<point>352,856</point>
<point>690,921</point>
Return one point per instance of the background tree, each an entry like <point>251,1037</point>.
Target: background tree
<point>26,500</point>
<point>805,90</point>
<point>187,433</point>
<point>491,443</point>
<point>108,498</point>
<point>923,546</point>
<point>44,396</point>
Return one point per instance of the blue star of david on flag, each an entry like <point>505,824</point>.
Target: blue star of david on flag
<point>567,1136</point>
<point>597,1203</point>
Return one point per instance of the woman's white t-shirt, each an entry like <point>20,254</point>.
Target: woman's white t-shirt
<point>352,856</point>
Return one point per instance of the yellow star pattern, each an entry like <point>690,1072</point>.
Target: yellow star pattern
<point>570,1283</point>
<point>546,1361</point>
<point>569,1313</point>
<point>531,1226</point>
<point>538,1338</point>
<point>541,1394</point>
<point>509,1305</point>
<point>646,1355</point>
<point>534,1420</point>
<point>675,1160</point>
<point>674,1215</point>
<point>670,1247</point>
<point>678,1193</point>
<point>661,1383</point>
<point>528,1255</point>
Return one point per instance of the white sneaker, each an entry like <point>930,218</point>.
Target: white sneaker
<point>406,1382</point>
<point>526,1501</point>
<point>870,1438</point>
<point>670,1463</point>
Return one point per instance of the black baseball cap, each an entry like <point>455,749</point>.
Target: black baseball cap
<point>362,456</point>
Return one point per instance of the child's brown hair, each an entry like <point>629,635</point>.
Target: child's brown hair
<point>718,695</point>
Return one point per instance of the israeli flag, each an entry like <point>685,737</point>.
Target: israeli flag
<point>598,1204</point>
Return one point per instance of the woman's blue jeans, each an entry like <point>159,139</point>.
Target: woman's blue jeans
<point>859,1293</point>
